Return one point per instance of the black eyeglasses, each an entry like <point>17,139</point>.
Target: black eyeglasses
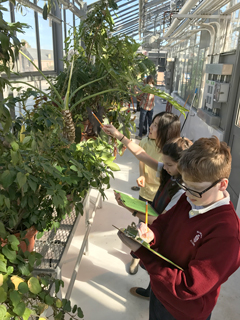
<point>193,192</point>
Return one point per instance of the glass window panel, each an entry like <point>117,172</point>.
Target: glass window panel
<point>46,41</point>
<point>203,57</point>
<point>233,32</point>
<point>77,21</point>
<point>184,72</point>
<point>46,44</point>
<point>63,27</point>
<point>29,37</point>
<point>69,21</point>
<point>175,75</point>
<point>6,14</point>
<point>189,77</point>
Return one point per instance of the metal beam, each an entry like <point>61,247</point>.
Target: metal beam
<point>204,16</point>
<point>232,9</point>
<point>121,11</point>
<point>124,15</point>
<point>126,19</point>
<point>39,10</point>
<point>126,25</point>
<point>154,3</point>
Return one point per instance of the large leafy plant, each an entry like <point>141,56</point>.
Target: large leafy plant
<point>40,174</point>
<point>113,59</point>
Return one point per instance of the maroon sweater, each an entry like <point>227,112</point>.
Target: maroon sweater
<point>206,246</point>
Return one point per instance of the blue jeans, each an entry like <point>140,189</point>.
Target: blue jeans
<point>158,312</point>
<point>145,116</point>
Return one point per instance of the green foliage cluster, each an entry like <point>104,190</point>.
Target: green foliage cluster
<point>9,45</point>
<point>100,55</point>
<point>22,295</point>
<point>40,174</point>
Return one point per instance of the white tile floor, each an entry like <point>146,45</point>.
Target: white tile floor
<point>102,285</point>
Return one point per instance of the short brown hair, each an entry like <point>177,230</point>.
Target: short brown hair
<point>207,159</point>
<point>150,80</point>
<point>169,128</point>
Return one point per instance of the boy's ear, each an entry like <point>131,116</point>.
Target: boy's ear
<point>223,184</point>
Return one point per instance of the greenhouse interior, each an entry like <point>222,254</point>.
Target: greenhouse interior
<point>71,71</point>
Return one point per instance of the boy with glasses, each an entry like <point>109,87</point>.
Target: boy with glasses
<point>200,233</point>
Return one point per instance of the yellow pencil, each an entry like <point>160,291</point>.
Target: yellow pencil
<point>146,216</point>
<point>97,119</point>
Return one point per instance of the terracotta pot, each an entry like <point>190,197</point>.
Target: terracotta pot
<point>30,235</point>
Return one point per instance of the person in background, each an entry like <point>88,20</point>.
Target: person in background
<point>147,103</point>
<point>201,234</point>
<point>165,126</point>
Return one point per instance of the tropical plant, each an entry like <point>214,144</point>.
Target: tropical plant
<point>40,175</point>
<point>114,60</point>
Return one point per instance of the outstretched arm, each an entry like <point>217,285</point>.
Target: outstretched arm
<point>136,150</point>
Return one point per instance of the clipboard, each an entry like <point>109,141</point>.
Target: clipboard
<point>136,204</point>
<point>147,246</point>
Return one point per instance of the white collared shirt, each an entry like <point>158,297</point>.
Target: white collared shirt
<point>196,210</point>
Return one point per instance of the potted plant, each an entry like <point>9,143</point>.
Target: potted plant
<point>41,176</point>
<point>24,296</point>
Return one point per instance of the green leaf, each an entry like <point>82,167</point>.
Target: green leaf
<point>3,233</point>
<point>33,185</point>
<point>19,309</point>
<point>3,267</point>
<point>7,202</point>
<point>7,178</point>
<point>113,166</point>
<point>58,303</point>
<point>45,11</point>
<point>4,41</point>
<point>23,287</point>
<point>13,241</point>
<point>8,316</point>
<point>67,306</point>
<point>9,254</point>
<point>74,168</point>
<point>3,295</point>
<point>74,309</point>
<point>24,269</point>
<point>3,310</point>
<point>14,145</point>
<point>49,300</point>
<point>16,158</point>
<point>21,179</point>
<point>10,270</point>
<point>80,313</point>
<point>34,285</point>
<point>15,297</point>
<point>27,314</point>
<point>26,139</point>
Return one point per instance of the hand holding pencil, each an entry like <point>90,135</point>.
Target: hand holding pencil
<point>144,232</point>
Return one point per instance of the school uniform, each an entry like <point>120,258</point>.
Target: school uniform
<point>205,242</point>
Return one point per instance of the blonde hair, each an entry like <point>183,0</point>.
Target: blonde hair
<point>207,159</point>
